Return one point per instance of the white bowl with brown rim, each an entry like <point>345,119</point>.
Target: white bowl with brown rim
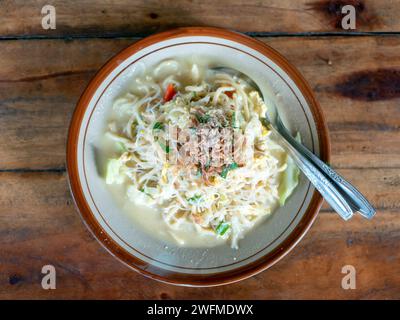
<point>125,240</point>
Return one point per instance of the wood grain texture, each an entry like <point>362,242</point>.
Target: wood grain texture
<point>141,17</point>
<point>356,81</point>
<point>45,214</point>
<point>41,81</point>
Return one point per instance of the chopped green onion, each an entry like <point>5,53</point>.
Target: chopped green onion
<point>202,119</point>
<point>121,146</point>
<point>228,168</point>
<point>233,122</point>
<point>145,192</point>
<point>158,126</point>
<point>222,228</point>
<point>265,122</point>
<point>194,200</point>
<point>166,148</point>
<point>193,96</point>
<point>133,127</point>
<point>208,164</point>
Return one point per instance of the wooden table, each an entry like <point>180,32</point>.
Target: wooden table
<point>356,78</point>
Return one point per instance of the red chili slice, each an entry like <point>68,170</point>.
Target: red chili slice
<point>169,93</point>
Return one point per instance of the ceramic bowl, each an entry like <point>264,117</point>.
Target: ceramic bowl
<point>125,240</point>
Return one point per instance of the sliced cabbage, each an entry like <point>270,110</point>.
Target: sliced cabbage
<point>113,172</point>
<point>259,106</point>
<point>139,196</point>
<point>289,178</point>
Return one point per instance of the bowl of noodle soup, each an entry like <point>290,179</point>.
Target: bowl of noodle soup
<point>172,167</point>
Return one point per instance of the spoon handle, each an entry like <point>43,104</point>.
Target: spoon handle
<point>357,201</point>
<point>340,194</point>
<point>333,195</point>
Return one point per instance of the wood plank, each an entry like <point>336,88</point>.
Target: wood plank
<point>138,17</point>
<point>38,94</point>
<point>39,225</point>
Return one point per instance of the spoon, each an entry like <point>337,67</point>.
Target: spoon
<point>344,198</point>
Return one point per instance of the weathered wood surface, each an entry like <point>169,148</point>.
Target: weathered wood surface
<point>139,17</point>
<point>37,211</point>
<point>40,82</point>
<point>356,80</point>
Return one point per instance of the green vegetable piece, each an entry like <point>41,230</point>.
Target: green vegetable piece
<point>166,148</point>
<point>121,147</point>
<point>143,189</point>
<point>112,172</point>
<point>208,164</point>
<point>289,179</point>
<point>195,199</point>
<point>233,122</point>
<point>224,173</point>
<point>228,168</point>
<point>158,126</point>
<point>193,96</point>
<point>203,119</point>
<point>222,228</point>
<point>199,172</point>
<point>233,165</point>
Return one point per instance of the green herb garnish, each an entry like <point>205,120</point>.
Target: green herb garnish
<point>166,148</point>
<point>233,121</point>
<point>228,168</point>
<point>194,200</point>
<point>193,96</point>
<point>121,147</point>
<point>202,119</point>
<point>208,164</point>
<point>222,228</point>
<point>199,172</point>
<point>145,192</point>
<point>158,126</point>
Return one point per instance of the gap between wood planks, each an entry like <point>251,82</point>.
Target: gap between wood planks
<point>63,169</point>
<point>251,34</point>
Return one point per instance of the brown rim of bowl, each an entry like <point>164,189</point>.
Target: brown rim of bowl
<point>141,266</point>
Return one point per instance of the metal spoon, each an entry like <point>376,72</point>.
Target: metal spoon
<point>344,198</point>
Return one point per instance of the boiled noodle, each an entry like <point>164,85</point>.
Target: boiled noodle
<point>224,199</point>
